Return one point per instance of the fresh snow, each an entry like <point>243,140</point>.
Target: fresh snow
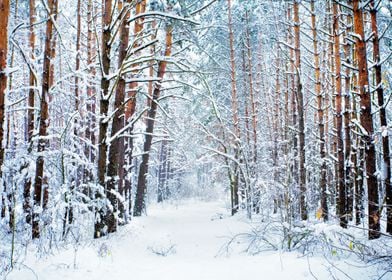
<point>184,241</point>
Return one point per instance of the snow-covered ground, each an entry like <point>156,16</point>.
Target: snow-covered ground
<point>182,242</point>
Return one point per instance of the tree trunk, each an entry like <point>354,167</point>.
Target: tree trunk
<point>383,117</point>
<point>357,152</point>
<point>367,123</point>
<point>116,155</point>
<point>301,119</point>
<point>245,93</point>
<point>30,111</point>
<point>349,179</point>
<point>294,122</point>
<point>91,98</point>
<point>4,15</point>
<point>341,186</point>
<point>162,176</point>
<point>320,110</point>
<point>68,217</point>
<point>143,169</point>
<point>106,221</point>
<point>251,91</point>
<point>234,108</point>
<point>40,187</point>
<point>130,106</point>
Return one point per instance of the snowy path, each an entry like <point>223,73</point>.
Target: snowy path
<point>196,238</point>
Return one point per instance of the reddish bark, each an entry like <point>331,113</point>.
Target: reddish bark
<point>367,123</point>
<point>143,170</point>
<point>116,154</point>
<point>340,179</point>
<point>320,117</point>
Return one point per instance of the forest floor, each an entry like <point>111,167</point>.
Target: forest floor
<point>185,241</point>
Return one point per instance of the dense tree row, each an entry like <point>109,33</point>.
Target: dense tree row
<point>93,87</point>
<point>102,100</point>
<point>307,126</point>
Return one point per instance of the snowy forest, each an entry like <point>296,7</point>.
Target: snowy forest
<point>195,139</point>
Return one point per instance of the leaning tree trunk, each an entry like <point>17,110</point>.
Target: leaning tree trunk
<point>367,128</point>
<point>143,170</point>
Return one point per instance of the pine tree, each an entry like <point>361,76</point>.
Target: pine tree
<point>383,116</point>
<point>367,128</point>
<point>40,184</point>
<point>106,216</point>
<point>140,199</point>
<point>340,178</point>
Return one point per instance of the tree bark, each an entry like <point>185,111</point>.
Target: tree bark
<point>383,116</point>
<point>91,98</point>
<point>30,111</point>
<point>106,221</point>
<point>340,178</point>
<point>130,106</point>
<point>251,91</point>
<point>4,16</point>
<point>349,179</point>
<point>234,107</point>
<point>116,155</point>
<point>143,169</point>
<point>367,123</point>
<point>320,115</point>
<point>301,119</point>
<point>162,176</point>
<point>40,187</point>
